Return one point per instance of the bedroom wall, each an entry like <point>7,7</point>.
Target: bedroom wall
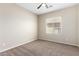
<point>78,25</point>
<point>17,26</point>
<point>69,30</point>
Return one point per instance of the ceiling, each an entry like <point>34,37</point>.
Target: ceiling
<point>33,7</point>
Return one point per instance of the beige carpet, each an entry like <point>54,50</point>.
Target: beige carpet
<point>42,48</point>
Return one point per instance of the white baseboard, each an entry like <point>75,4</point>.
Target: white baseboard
<point>17,45</point>
<point>61,42</point>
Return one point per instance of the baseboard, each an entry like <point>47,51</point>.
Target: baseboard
<point>61,42</point>
<point>17,45</point>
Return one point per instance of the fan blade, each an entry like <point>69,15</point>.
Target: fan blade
<point>39,6</point>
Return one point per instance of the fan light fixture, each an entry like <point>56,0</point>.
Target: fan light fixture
<point>44,5</point>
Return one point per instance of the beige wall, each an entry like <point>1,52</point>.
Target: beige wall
<point>78,25</point>
<point>69,30</point>
<point>17,26</point>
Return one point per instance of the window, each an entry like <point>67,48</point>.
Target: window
<point>54,25</point>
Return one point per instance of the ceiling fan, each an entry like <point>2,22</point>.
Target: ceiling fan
<point>44,4</point>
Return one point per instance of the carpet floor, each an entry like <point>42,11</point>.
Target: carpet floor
<point>42,48</point>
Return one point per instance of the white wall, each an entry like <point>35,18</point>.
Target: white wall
<point>17,26</point>
<point>69,30</point>
<point>78,25</point>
